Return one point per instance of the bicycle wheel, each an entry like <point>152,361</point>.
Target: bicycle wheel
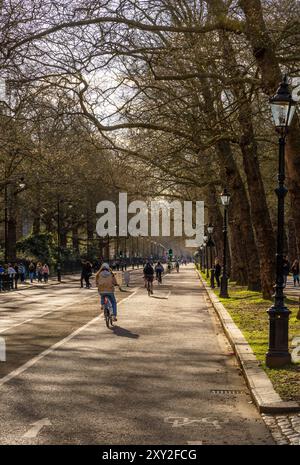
<point>107,317</point>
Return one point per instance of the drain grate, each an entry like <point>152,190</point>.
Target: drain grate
<point>226,391</point>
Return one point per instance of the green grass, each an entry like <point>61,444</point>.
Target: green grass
<point>248,310</point>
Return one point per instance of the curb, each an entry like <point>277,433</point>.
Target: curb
<point>261,388</point>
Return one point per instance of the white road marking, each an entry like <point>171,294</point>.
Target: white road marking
<point>195,443</point>
<point>176,422</point>
<point>158,295</point>
<point>13,374</point>
<point>36,428</point>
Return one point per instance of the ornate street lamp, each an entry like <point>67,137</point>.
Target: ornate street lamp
<point>283,108</point>
<point>201,257</point>
<point>225,199</point>
<point>211,244</point>
<point>205,240</point>
<point>20,185</point>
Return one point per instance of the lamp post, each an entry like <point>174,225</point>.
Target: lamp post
<point>283,108</point>
<point>205,239</point>
<point>210,244</point>
<point>225,199</point>
<point>19,182</point>
<point>58,265</point>
<point>201,257</point>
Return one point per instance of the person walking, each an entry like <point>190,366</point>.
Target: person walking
<point>295,272</point>
<point>86,273</point>
<point>39,272</point>
<point>17,275</point>
<point>45,271</point>
<point>22,272</point>
<point>31,269</point>
<point>2,271</point>
<point>217,271</point>
<point>82,272</point>
<point>286,269</point>
<point>126,278</point>
<point>11,275</point>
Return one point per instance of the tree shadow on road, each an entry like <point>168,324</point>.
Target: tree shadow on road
<point>119,331</point>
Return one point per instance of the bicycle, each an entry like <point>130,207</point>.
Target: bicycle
<point>108,311</point>
<point>149,290</point>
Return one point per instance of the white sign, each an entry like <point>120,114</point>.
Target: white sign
<point>2,350</point>
<point>296,352</point>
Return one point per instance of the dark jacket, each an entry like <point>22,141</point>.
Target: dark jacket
<point>295,269</point>
<point>218,269</point>
<point>286,267</point>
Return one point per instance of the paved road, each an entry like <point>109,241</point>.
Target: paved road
<point>164,375</point>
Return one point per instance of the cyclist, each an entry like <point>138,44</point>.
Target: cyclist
<point>149,275</point>
<point>106,282</point>
<point>159,269</point>
<point>177,266</point>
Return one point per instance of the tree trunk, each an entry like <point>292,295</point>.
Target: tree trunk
<point>264,53</point>
<point>241,231</point>
<point>246,261</point>
<point>36,227</point>
<point>75,238</point>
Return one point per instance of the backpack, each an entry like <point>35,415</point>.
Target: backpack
<point>105,283</point>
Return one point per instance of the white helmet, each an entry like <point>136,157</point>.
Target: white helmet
<point>105,266</point>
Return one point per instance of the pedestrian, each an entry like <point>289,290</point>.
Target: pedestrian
<point>39,272</point>
<point>126,278</point>
<point>86,273</point>
<point>217,271</point>
<point>17,275</point>
<point>295,271</point>
<point>83,262</point>
<point>286,269</point>
<point>11,275</point>
<point>31,269</point>
<point>22,272</point>
<point>45,271</point>
<point>2,270</point>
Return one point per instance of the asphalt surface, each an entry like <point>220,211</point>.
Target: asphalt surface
<point>164,375</point>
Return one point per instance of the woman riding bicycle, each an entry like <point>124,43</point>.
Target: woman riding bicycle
<point>106,282</point>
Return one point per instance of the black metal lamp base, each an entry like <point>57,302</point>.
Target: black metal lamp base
<point>277,359</point>
<point>278,354</point>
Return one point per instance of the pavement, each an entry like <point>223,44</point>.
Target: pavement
<point>165,374</point>
<point>291,290</point>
